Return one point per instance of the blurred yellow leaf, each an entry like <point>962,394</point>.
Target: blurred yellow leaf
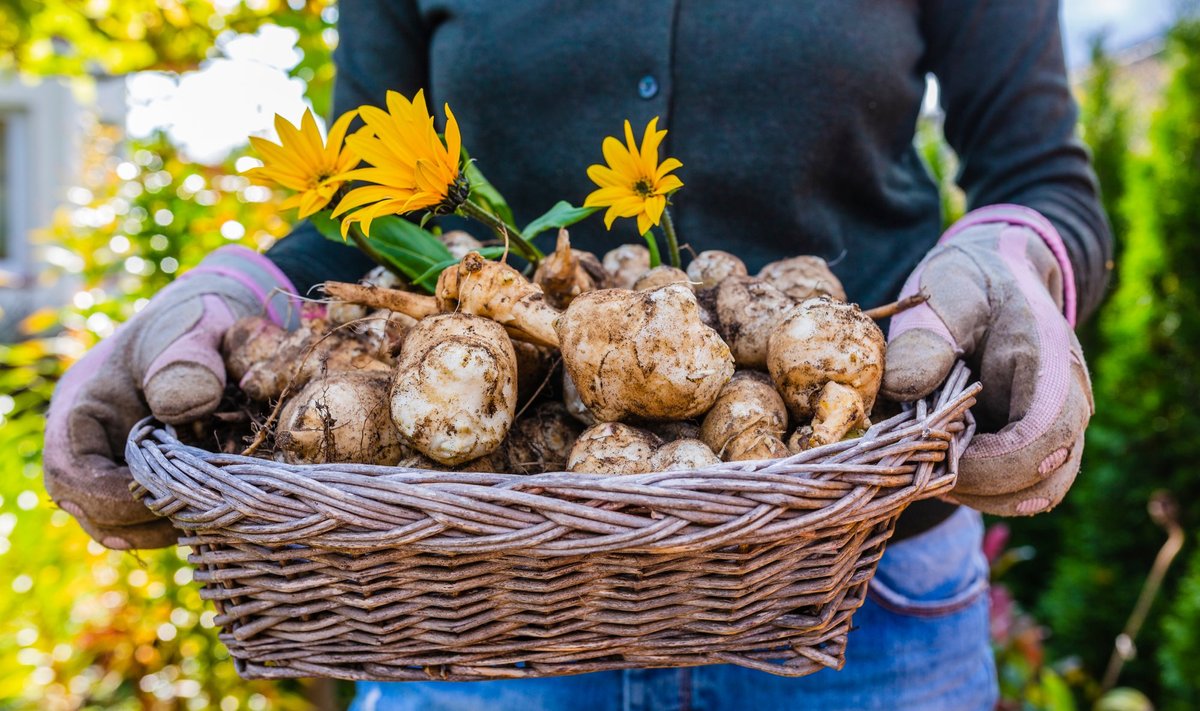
<point>39,321</point>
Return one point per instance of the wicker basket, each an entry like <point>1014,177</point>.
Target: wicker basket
<point>366,572</point>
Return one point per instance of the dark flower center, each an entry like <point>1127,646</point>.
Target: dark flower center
<point>456,194</point>
<point>643,187</point>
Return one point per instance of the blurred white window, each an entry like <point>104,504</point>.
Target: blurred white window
<point>40,132</point>
<point>15,172</point>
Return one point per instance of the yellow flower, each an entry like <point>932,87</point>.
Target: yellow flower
<point>410,166</point>
<point>634,183</point>
<point>302,162</point>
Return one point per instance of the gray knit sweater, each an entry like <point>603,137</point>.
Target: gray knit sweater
<point>794,120</point>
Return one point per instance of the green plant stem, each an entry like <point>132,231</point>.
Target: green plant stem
<point>668,228</point>
<point>652,245</point>
<point>504,231</point>
<point>365,245</point>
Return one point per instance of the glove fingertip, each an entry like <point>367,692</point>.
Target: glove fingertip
<point>917,362</point>
<point>183,392</point>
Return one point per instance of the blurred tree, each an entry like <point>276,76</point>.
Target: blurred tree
<point>1180,657</point>
<point>112,630</point>
<point>1176,169</point>
<point>114,37</point>
<point>1147,384</point>
<point>80,626</point>
<point>1104,124</point>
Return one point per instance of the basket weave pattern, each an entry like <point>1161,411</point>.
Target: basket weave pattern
<point>367,572</point>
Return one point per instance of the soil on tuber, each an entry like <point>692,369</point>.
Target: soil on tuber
<point>661,276</point>
<point>613,448</point>
<point>343,417</point>
<point>747,312</point>
<point>825,341</point>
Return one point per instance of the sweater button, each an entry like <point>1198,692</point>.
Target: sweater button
<point>647,87</point>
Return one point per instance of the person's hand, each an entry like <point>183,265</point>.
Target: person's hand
<point>1001,293</point>
<point>167,361</point>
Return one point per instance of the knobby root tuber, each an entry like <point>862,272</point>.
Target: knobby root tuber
<point>748,420</point>
<point>343,417</point>
<point>825,341</point>
<point>643,354</point>
<point>567,273</point>
<point>711,267</point>
<point>626,264</point>
<point>803,278</point>
<point>455,390</point>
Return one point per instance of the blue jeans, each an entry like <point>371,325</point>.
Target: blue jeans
<point>921,644</point>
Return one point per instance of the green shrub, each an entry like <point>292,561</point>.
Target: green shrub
<point>1147,385</point>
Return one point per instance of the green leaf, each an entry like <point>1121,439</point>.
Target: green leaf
<point>411,258</point>
<point>563,214</point>
<point>487,252</point>
<point>483,191</point>
<point>408,263</point>
<point>403,234</point>
<point>330,228</point>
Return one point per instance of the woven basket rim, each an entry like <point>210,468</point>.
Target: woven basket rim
<point>232,495</point>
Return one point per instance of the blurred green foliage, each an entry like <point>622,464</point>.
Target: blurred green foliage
<point>1146,384</point>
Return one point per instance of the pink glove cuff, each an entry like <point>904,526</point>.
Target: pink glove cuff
<point>1022,216</point>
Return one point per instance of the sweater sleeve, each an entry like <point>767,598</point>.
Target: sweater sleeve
<point>1012,120</point>
<point>382,45</point>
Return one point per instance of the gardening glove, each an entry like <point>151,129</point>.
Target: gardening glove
<point>165,361</point>
<point>1002,294</point>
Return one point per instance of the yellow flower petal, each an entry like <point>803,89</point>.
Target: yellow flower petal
<point>654,208</point>
<point>666,167</point>
<point>292,201</point>
<point>605,177</point>
<point>610,217</point>
<point>609,196</point>
<point>379,176</point>
<point>630,143</point>
<point>617,157</point>
<point>453,138</point>
<point>643,223</point>
<point>311,202</point>
<point>650,142</point>
<point>633,183</point>
<point>668,185</point>
<point>427,178</point>
<point>286,179</point>
<point>630,206</point>
<point>363,196</point>
<point>337,136</point>
<point>276,156</point>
